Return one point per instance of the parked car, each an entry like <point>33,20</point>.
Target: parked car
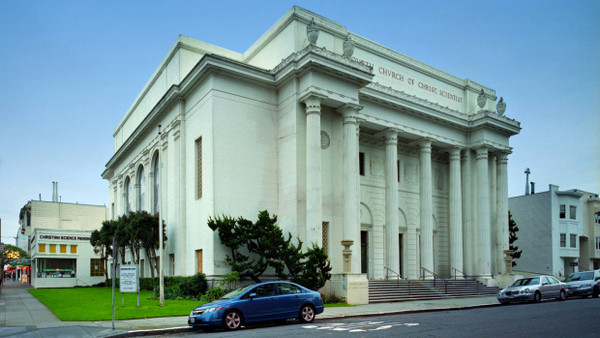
<point>277,300</point>
<point>583,284</point>
<point>533,289</point>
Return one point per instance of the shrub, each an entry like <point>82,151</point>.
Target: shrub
<point>214,293</point>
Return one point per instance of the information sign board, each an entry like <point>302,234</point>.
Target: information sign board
<point>129,278</point>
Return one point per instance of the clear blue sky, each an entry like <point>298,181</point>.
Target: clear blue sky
<point>69,70</point>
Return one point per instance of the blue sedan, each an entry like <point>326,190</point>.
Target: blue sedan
<point>259,302</point>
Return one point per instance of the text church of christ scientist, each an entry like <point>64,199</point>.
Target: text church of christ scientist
<point>342,138</point>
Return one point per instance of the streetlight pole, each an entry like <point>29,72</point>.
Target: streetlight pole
<point>160,226</point>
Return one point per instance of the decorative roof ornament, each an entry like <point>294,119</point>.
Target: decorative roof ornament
<point>312,32</point>
<point>501,106</point>
<point>481,99</point>
<point>348,46</point>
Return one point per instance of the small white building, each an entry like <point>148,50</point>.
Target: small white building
<point>559,231</point>
<point>64,258</point>
<point>341,137</point>
<point>57,237</point>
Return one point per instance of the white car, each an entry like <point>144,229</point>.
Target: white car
<point>584,283</point>
<point>533,289</point>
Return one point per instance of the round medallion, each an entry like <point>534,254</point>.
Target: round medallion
<point>324,140</point>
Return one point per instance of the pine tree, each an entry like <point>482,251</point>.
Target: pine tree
<point>512,237</point>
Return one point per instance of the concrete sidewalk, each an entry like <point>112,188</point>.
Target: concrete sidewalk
<point>23,315</point>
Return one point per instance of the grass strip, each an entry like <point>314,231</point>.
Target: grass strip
<point>95,304</point>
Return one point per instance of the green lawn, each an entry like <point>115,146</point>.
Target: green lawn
<point>91,304</point>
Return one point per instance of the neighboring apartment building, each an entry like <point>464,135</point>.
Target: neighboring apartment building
<point>559,231</point>
<point>57,237</point>
<point>342,138</point>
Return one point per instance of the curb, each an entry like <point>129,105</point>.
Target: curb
<point>182,329</point>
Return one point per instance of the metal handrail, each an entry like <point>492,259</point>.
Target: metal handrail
<point>465,276</point>
<point>388,270</point>
<point>435,278</point>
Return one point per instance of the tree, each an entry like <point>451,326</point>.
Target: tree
<point>10,252</point>
<point>254,247</point>
<point>102,241</point>
<point>512,237</point>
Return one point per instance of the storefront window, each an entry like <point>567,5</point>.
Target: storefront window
<point>56,268</point>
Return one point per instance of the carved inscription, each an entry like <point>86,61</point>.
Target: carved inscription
<point>398,76</point>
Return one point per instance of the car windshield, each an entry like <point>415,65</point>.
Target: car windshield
<point>588,275</point>
<point>527,281</point>
<point>237,292</point>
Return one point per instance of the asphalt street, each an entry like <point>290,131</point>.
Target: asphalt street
<point>572,318</point>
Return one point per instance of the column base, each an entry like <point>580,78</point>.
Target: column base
<point>353,288</point>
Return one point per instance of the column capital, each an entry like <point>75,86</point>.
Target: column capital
<point>425,145</point>
<point>349,109</point>
<point>482,153</point>
<point>502,157</point>
<point>454,153</point>
<point>312,103</point>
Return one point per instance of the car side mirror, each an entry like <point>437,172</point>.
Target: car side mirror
<point>252,295</point>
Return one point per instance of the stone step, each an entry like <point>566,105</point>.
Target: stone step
<point>405,290</point>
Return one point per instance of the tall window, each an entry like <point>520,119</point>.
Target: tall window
<point>361,164</point>
<point>63,248</point>
<point>127,195</point>
<point>598,243</point>
<point>572,212</point>
<point>141,192</point>
<point>156,181</point>
<point>563,240</point>
<point>573,238</point>
<point>563,212</point>
<point>199,168</point>
<point>325,237</point>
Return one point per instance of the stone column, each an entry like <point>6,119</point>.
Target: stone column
<point>455,212</point>
<point>502,213</point>
<point>426,208</point>
<point>351,199</point>
<point>483,214</point>
<point>467,208</point>
<point>391,201</point>
<point>314,205</point>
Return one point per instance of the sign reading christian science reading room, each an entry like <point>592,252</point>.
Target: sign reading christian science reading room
<point>128,278</point>
<point>68,238</point>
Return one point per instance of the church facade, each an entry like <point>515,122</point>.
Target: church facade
<point>342,138</point>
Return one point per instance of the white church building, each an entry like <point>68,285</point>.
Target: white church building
<point>342,138</point>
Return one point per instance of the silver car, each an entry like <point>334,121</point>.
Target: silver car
<point>585,283</point>
<point>533,289</point>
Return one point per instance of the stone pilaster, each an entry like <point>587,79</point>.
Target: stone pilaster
<point>469,233</point>
<point>502,210</point>
<point>391,201</point>
<point>426,215</point>
<point>455,212</point>
<point>314,205</point>
<point>351,199</point>
<point>483,214</point>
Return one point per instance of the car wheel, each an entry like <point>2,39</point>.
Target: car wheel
<point>537,297</point>
<point>596,292</point>
<point>307,314</point>
<point>562,295</point>
<point>232,320</point>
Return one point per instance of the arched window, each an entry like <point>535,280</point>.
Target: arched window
<point>155,185</point>
<point>141,191</point>
<point>127,195</point>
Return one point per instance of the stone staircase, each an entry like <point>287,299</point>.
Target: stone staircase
<point>383,291</point>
